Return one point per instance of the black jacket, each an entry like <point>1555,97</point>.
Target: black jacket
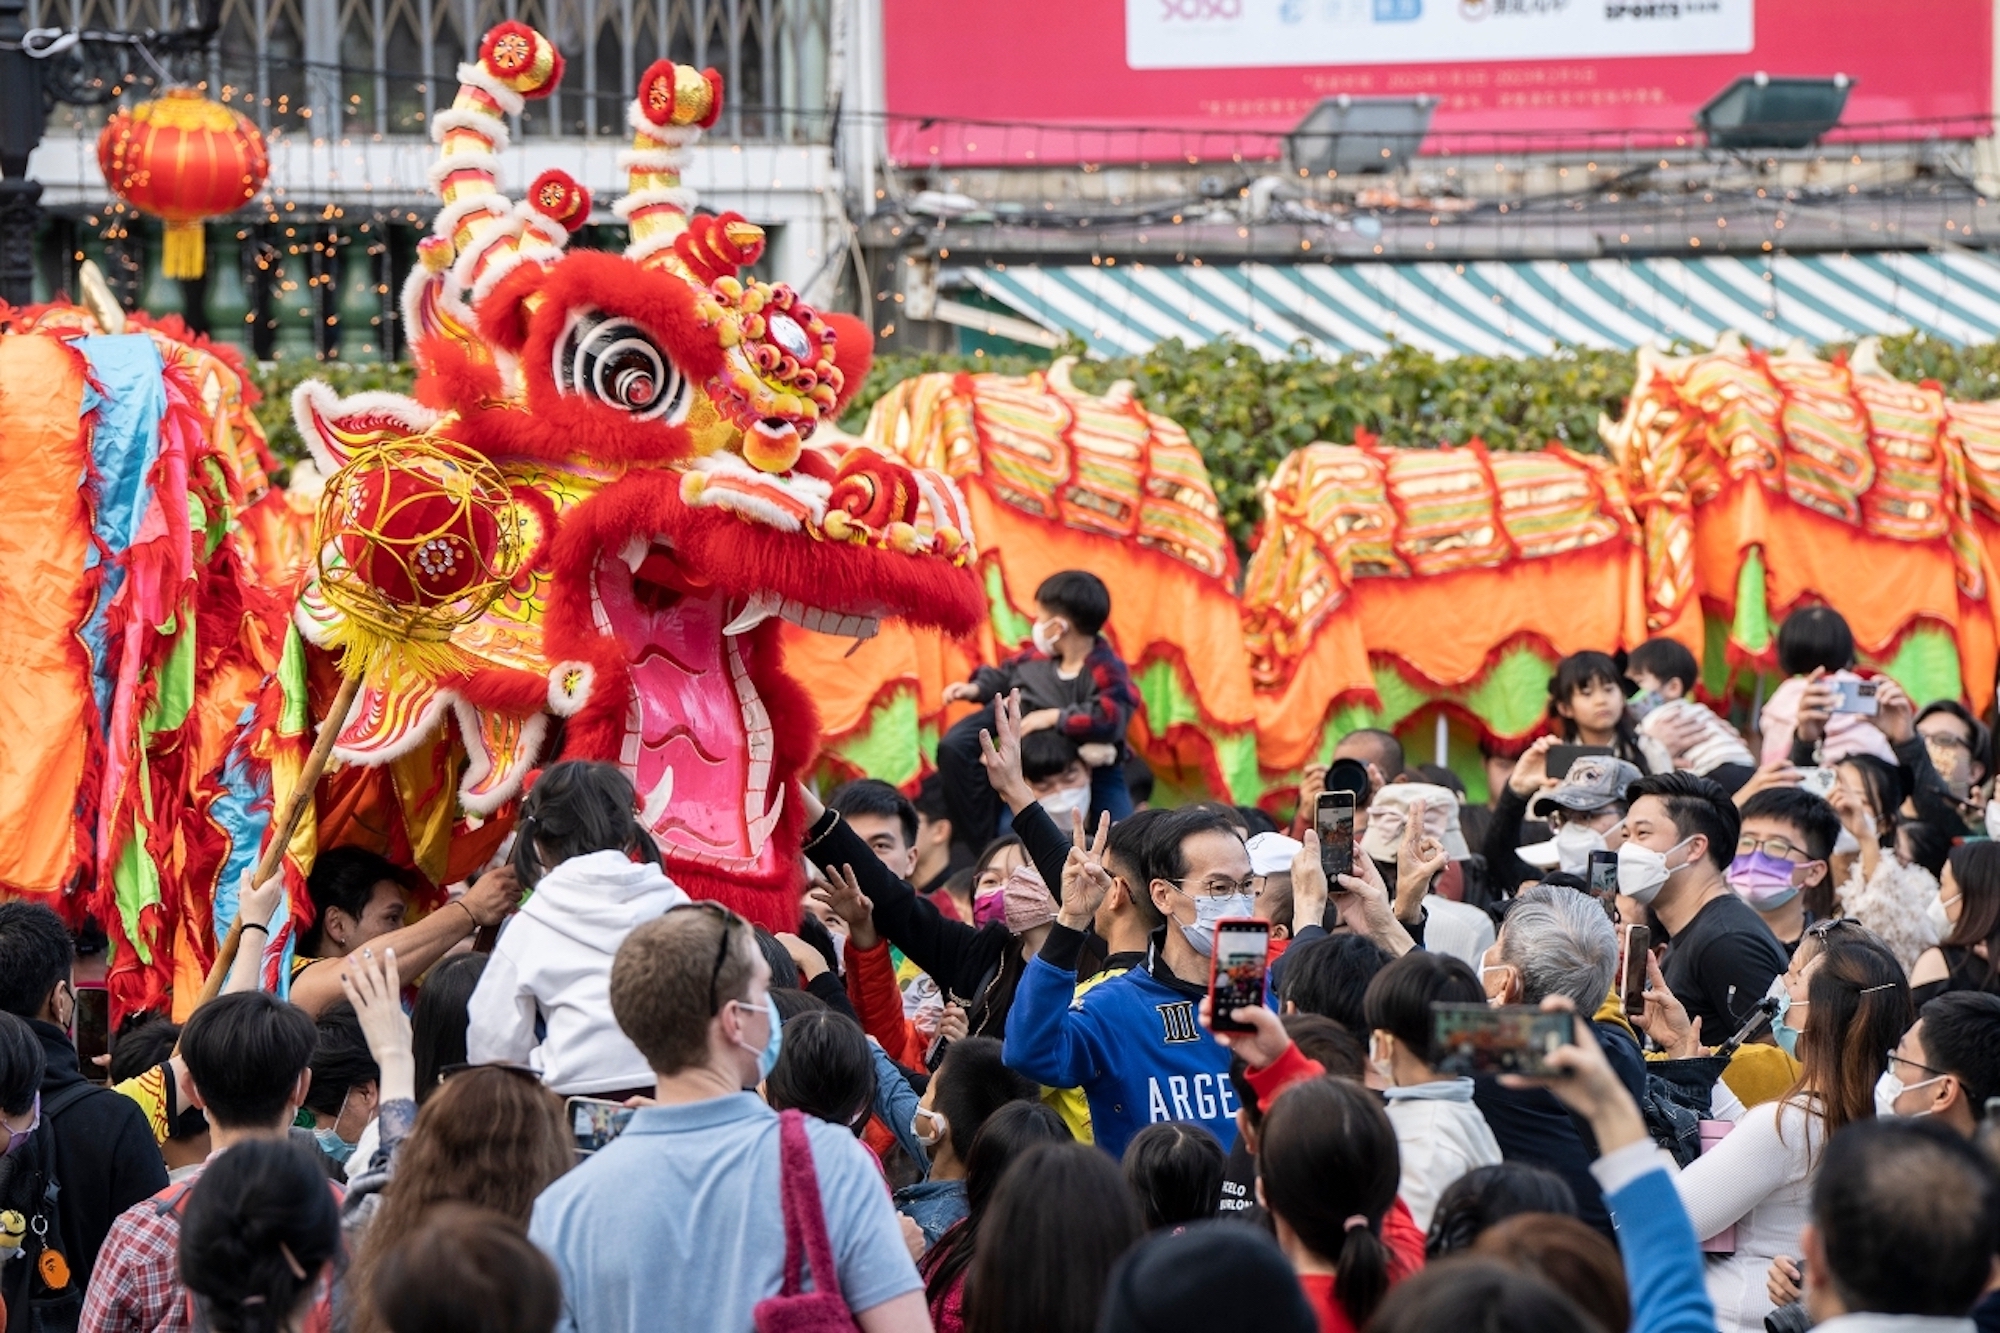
<point>105,1156</point>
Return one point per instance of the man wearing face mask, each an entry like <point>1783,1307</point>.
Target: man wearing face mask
<point>1585,811</point>
<point>1680,837</point>
<point>1133,1043</point>
<point>1787,836</point>
<point>682,1212</point>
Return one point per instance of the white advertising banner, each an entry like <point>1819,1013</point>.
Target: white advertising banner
<point>1236,34</point>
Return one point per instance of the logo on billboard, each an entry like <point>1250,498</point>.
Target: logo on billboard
<point>1200,11</point>
<point>1476,10</point>
<point>1660,9</point>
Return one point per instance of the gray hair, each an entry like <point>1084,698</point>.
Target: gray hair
<point>1561,943</point>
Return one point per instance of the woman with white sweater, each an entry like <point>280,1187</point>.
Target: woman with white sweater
<point>595,874</point>
<point>1440,1134</point>
<point>1849,1004</point>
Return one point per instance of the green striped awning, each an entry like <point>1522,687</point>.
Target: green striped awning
<point>1500,308</point>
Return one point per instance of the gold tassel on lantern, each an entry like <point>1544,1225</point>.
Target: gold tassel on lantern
<point>185,250</point>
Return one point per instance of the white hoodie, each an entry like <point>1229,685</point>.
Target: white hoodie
<point>553,958</point>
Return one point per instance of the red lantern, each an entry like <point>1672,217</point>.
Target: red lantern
<point>183,158</point>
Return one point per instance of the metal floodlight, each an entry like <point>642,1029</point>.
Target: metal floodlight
<point>1360,134</point>
<point>1758,111</point>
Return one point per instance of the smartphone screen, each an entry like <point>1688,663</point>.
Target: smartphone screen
<point>1634,944</point>
<point>92,1025</point>
<point>596,1122</point>
<point>1561,757</point>
<point>1856,696</point>
<point>1472,1039</point>
<point>1236,970</point>
<point>1604,875</point>
<point>1334,821</point>
<point>1819,780</point>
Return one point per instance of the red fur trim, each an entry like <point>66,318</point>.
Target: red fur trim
<point>714,81</point>
<point>853,353</point>
<point>567,426</point>
<point>449,373</point>
<point>501,316</point>
<point>515,693</point>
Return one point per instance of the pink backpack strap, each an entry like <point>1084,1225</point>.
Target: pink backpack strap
<point>805,1220</point>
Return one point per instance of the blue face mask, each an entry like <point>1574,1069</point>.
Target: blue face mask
<point>767,1059</point>
<point>333,1145</point>
<point>1784,1033</point>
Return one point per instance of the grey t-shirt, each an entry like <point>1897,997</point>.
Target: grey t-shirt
<point>678,1223</point>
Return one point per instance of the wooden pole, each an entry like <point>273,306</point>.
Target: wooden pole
<point>282,829</point>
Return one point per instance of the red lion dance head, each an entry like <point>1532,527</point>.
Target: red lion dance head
<point>615,453</point>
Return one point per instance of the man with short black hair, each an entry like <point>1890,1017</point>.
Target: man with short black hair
<point>94,1143</point>
<point>1903,1219</point>
<point>1784,848</point>
<point>1948,1063</point>
<point>680,1214</point>
<point>1133,1043</point>
<point>884,818</point>
<point>1681,833</point>
<point>360,898</point>
<point>247,1058</point>
<point>937,852</point>
<point>346,1086</point>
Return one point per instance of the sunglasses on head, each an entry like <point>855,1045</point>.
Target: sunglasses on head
<point>728,919</point>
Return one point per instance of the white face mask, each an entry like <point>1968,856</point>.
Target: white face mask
<point>1940,919</point>
<point>1993,818</point>
<point>1574,844</point>
<point>1889,1088</point>
<point>939,1128</point>
<point>1045,634</point>
<point>1643,872</point>
<point>1064,804</point>
<point>1207,911</point>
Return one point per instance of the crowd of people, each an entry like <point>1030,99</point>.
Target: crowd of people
<point>980,1085</point>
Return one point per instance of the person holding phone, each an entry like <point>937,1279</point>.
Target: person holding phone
<point>1132,1043</point>
<point>1802,722</point>
<point>1587,706</point>
<point>1585,810</point>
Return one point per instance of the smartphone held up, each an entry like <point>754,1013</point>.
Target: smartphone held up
<point>1333,820</point>
<point>1473,1039</point>
<point>1237,967</point>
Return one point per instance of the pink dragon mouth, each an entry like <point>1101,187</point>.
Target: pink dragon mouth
<point>698,740</point>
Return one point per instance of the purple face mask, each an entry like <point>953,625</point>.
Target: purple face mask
<point>17,1137</point>
<point>1762,880</point>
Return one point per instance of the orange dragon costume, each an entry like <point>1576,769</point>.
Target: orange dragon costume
<point>620,446</point>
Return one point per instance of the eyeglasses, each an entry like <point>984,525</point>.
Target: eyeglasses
<point>1896,1059</point>
<point>1773,846</point>
<point>1219,888</point>
<point>728,919</point>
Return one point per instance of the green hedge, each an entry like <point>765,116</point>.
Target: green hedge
<point>1246,413</point>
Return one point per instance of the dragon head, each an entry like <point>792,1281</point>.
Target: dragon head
<point>650,499</point>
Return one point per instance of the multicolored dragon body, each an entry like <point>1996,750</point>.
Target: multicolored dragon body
<point>616,448</point>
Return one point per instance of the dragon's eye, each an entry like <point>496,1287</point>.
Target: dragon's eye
<point>617,362</point>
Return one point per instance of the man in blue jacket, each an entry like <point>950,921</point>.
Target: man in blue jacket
<point>1133,1044</point>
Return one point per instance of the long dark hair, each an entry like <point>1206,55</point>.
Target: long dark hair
<point>1574,673</point>
<point>1006,1136</point>
<point>1060,1220</point>
<point>438,1023</point>
<point>1325,1156</point>
<point>578,807</point>
<point>1976,867</point>
<point>259,1230</point>
<point>491,1137</point>
<point>1859,1008</point>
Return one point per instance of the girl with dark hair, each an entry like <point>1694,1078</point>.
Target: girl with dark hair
<point>259,1239</point>
<point>491,1137</point>
<point>1816,653</point>
<point>1006,1136</point>
<point>1849,1004</point>
<point>1059,1221</point>
<point>1327,1170</point>
<point>594,874</point>
<point>1966,916</point>
<point>1175,1168</point>
<point>824,1069</point>
<point>466,1268</point>
<point>1488,1195</point>
<point>1587,697</point>
<point>1883,890</point>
